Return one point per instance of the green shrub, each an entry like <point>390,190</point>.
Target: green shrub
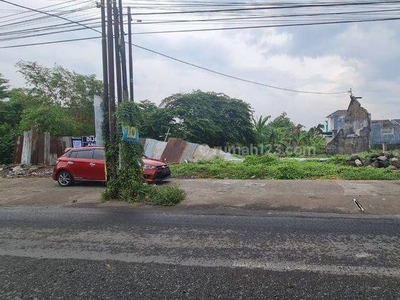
<point>167,196</point>
<point>368,173</point>
<point>7,143</point>
<point>125,183</point>
<point>268,159</point>
<point>288,171</point>
<point>339,159</point>
<point>281,169</point>
<point>149,194</point>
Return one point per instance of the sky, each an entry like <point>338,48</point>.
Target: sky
<point>363,57</point>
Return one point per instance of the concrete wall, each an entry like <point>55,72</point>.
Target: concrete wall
<point>335,123</point>
<point>385,131</point>
<point>354,136</point>
<point>347,145</point>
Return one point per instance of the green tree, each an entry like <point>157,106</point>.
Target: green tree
<point>156,120</point>
<point>65,95</point>
<point>3,87</point>
<point>261,130</point>
<point>282,121</point>
<point>211,118</point>
<point>282,133</point>
<point>11,110</point>
<point>9,118</point>
<point>316,139</point>
<point>7,143</point>
<point>278,133</point>
<point>57,120</point>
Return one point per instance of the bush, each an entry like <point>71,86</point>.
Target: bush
<point>167,196</point>
<point>267,160</point>
<point>7,143</point>
<point>339,159</point>
<point>125,183</point>
<point>148,194</point>
<point>368,173</point>
<point>272,168</point>
<point>288,171</point>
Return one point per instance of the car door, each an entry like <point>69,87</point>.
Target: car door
<point>82,164</point>
<point>97,165</point>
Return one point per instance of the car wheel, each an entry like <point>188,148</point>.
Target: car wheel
<point>64,178</point>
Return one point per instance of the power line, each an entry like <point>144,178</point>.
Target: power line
<point>161,54</point>
<point>24,13</point>
<point>271,26</point>
<point>27,17</point>
<point>51,28</point>
<point>189,64</point>
<point>51,42</point>
<point>270,16</point>
<point>271,7</point>
<point>235,77</point>
<point>49,14</point>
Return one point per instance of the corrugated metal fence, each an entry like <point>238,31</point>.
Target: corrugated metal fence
<point>37,149</point>
<point>32,148</point>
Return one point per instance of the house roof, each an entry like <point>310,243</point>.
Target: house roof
<point>338,112</point>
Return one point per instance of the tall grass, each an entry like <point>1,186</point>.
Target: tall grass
<point>271,167</point>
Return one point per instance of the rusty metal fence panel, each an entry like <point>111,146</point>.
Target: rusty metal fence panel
<point>19,142</point>
<point>56,149</point>
<point>174,150</point>
<point>37,148</point>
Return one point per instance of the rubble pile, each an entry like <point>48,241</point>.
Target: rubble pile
<point>381,160</point>
<point>15,171</point>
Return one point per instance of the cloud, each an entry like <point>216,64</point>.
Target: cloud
<point>321,58</point>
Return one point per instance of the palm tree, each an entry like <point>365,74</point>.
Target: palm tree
<point>315,138</point>
<point>319,129</point>
<point>260,128</point>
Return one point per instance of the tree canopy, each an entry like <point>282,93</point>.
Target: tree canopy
<point>3,87</point>
<point>56,101</point>
<point>64,96</point>
<point>207,117</point>
<point>281,133</point>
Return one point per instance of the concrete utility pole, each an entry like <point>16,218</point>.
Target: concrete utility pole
<point>117,52</point>
<point>111,75</point>
<point>105,63</point>
<point>123,53</point>
<point>131,94</point>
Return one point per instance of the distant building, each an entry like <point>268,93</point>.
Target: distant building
<point>385,132</point>
<point>334,122</point>
<point>343,126</point>
<point>349,130</point>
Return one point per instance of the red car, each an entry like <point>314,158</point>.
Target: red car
<point>88,164</point>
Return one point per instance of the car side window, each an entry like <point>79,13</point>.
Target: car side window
<point>84,154</point>
<point>72,154</point>
<point>98,154</point>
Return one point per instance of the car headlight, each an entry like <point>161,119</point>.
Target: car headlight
<point>148,167</point>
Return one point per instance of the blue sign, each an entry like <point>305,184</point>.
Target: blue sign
<point>130,133</point>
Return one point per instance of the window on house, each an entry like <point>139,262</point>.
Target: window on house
<point>387,131</point>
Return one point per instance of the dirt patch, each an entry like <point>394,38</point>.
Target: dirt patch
<point>19,171</point>
<point>33,190</point>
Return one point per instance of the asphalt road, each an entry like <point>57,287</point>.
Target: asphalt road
<point>66,252</point>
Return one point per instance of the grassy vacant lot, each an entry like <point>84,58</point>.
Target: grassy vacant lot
<point>271,167</point>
